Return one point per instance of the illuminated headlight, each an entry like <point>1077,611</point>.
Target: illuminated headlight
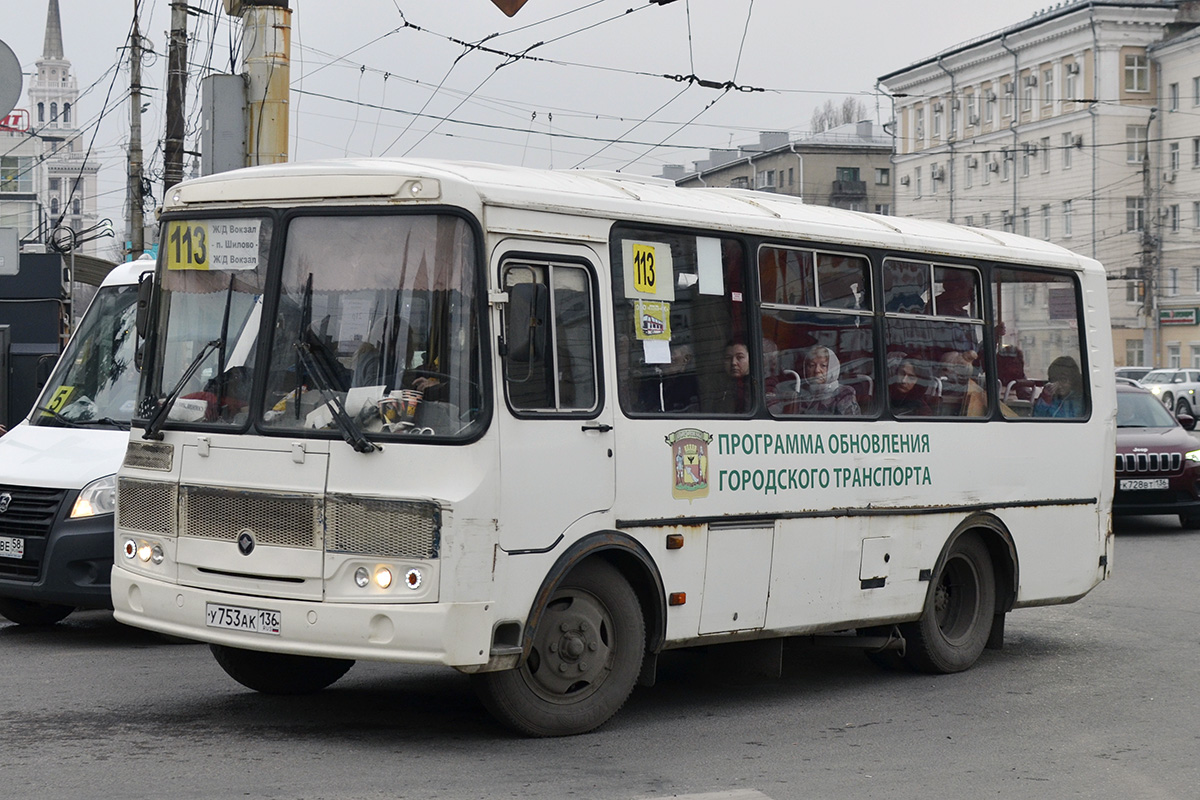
<point>1194,455</point>
<point>98,497</point>
<point>143,551</point>
<point>383,577</point>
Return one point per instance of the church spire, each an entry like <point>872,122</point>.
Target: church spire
<point>53,48</point>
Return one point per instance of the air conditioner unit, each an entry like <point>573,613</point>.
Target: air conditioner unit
<point>993,166</point>
<point>937,173</point>
<point>991,95</point>
<point>972,119</point>
<point>1031,80</point>
<point>1008,88</point>
<point>1073,68</point>
<point>937,106</point>
<point>972,162</point>
<point>956,103</point>
<point>904,181</point>
<point>1169,177</point>
<point>1077,141</point>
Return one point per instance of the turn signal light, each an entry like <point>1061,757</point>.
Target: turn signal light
<point>677,598</point>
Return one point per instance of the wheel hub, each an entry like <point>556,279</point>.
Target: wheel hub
<point>572,656</point>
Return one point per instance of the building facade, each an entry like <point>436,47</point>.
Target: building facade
<point>46,179</point>
<point>846,167</point>
<point>1048,128</point>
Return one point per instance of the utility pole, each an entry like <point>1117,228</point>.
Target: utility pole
<point>268,26</point>
<point>1149,275</point>
<point>134,187</point>
<point>176,90</point>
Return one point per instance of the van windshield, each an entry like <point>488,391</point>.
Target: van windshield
<point>95,382</point>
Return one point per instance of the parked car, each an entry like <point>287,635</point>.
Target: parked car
<point>1132,373</point>
<point>1177,388</point>
<point>1158,459</point>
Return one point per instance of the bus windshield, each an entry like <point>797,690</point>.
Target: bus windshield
<point>377,315</point>
<point>96,382</point>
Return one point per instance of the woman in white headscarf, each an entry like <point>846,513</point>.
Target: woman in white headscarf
<point>820,392</point>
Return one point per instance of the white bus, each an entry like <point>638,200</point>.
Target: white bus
<point>542,426</point>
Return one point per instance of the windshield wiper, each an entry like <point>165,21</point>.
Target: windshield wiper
<point>353,434</point>
<point>160,416</point>
<point>109,421</point>
<point>70,423</point>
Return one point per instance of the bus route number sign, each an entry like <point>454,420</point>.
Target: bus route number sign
<point>218,244</point>
<point>649,271</point>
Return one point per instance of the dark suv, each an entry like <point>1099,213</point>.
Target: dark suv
<point>1158,459</point>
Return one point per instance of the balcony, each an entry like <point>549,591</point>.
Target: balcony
<point>849,190</point>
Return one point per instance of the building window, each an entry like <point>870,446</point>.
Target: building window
<point>16,173</point>
<point>1135,213</point>
<point>1135,143</point>
<point>1070,83</point>
<point>1067,210</point>
<point>740,182</point>
<point>1172,287</point>
<point>1046,221</point>
<point>935,173</point>
<point>53,112</point>
<point>1137,73</point>
<point>919,127</point>
<point>937,121</point>
<point>968,171</point>
<point>1045,154</point>
<point>1006,158</point>
<point>791,176</point>
<point>1066,151</point>
<point>1135,355</point>
<point>1173,97</point>
<point>1028,83</point>
<point>55,184</point>
<point>1009,98</point>
<point>987,219</point>
<point>883,208</point>
<point>1007,221</point>
<point>1173,158</point>
<point>1173,215</point>
<point>1196,356</point>
<point>883,176</point>
<point>917,180</point>
<point>54,206</point>
<point>989,107</point>
<point>1025,162</point>
<point>1173,360</point>
<point>41,112</point>
<point>969,221</point>
<point>77,206</point>
<point>1196,218</point>
<point>1025,221</point>
<point>847,174</point>
<point>1196,91</point>
<point>1196,278</point>
<point>1047,86</point>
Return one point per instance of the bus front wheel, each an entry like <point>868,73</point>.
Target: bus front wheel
<point>279,673</point>
<point>954,628</point>
<point>584,660</point>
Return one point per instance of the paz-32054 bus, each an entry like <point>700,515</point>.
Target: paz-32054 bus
<point>542,426</point>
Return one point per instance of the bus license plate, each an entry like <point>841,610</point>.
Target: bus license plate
<point>1135,484</point>
<point>11,547</point>
<point>236,618</point>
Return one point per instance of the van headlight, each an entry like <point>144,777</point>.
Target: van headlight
<point>98,497</point>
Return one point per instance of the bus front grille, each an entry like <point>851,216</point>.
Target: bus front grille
<point>385,528</point>
<point>283,520</point>
<point>146,506</point>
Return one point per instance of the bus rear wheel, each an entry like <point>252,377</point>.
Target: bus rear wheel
<point>956,622</point>
<point>586,653</point>
<point>26,612</point>
<point>279,673</point>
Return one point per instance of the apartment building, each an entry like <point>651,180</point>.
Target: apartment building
<point>1049,128</point>
<point>848,166</point>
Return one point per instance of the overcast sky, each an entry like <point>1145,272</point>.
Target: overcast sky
<point>392,77</point>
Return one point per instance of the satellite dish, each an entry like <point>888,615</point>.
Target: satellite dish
<point>10,80</point>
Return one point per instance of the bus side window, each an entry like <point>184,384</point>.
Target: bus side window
<point>1039,364</point>
<point>550,357</point>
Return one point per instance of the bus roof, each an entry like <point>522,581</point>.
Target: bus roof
<point>129,272</point>
<point>607,195</point>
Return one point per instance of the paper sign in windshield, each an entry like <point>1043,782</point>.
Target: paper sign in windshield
<point>219,244</point>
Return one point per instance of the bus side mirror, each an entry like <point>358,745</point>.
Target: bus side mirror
<point>145,289</point>
<point>142,315</point>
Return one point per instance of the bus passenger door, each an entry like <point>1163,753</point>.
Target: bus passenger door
<point>556,458</point>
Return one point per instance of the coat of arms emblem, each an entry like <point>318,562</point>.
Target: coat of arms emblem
<point>689,456</point>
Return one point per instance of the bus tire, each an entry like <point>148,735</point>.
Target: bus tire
<point>583,662</point>
<point>279,673</point>
<point>956,622</point>
<point>27,612</point>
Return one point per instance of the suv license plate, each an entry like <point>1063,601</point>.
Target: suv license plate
<point>12,547</point>
<point>237,618</point>
<point>1135,484</point>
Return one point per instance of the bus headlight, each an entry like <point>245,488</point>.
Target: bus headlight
<point>361,577</point>
<point>98,497</point>
<point>383,577</point>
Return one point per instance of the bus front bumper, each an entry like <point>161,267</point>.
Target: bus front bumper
<point>453,634</point>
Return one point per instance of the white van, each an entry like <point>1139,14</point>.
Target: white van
<point>57,490</point>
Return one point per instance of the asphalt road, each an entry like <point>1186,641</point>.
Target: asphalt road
<point>1094,699</point>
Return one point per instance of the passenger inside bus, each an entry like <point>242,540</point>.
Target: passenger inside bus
<point>737,393</point>
<point>907,386</point>
<point>1062,395</point>
<point>820,392</point>
<point>959,394</point>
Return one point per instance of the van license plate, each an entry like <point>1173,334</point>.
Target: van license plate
<point>236,618</point>
<point>1134,484</point>
<point>11,547</point>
